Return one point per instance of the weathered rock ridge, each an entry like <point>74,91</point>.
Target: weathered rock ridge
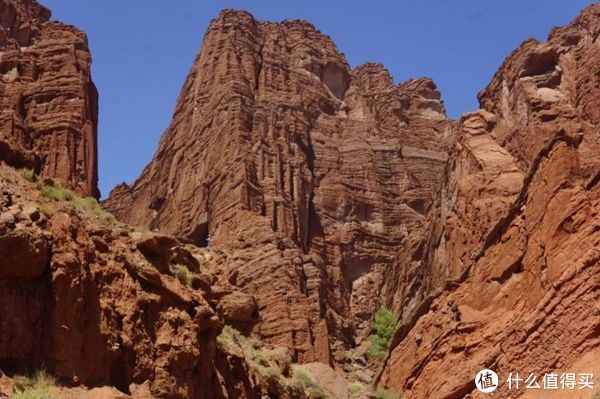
<point>509,278</point>
<point>48,102</point>
<point>308,174</point>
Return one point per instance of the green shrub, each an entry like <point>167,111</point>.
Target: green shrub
<point>182,273</point>
<point>302,379</point>
<point>29,174</point>
<point>384,326</point>
<point>381,393</point>
<point>47,210</point>
<point>56,192</point>
<point>37,386</point>
<point>356,387</point>
<point>90,204</point>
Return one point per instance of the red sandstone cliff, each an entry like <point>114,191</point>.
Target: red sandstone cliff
<point>307,174</point>
<point>48,103</point>
<point>517,236</point>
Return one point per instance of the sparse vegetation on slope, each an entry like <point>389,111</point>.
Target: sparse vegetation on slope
<point>381,393</point>
<point>253,352</point>
<point>182,273</point>
<point>257,356</point>
<point>56,192</point>
<point>384,326</point>
<point>304,380</point>
<point>356,387</point>
<point>29,174</point>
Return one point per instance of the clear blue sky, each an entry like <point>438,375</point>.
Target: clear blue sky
<point>143,50</point>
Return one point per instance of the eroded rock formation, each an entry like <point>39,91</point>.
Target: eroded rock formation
<point>308,175</point>
<point>90,303</point>
<point>98,305</point>
<point>48,103</point>
<point>517,236</point>
<point>322,192</point>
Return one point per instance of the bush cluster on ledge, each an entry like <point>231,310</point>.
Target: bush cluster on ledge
<point>36,386</point>
<point>384,326</point>
<point>56,192</point>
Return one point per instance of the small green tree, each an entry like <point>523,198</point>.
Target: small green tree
<point>384,326</point>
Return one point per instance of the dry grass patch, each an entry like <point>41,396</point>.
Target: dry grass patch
<point>36,386</point>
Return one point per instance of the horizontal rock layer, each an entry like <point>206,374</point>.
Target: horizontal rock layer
<point>48,102</point>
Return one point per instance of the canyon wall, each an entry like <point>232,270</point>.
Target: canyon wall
<point>517,231</point>
<point>48,102</point>
<point>307,175</point>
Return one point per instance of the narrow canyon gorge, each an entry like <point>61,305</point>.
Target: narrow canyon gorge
<point>291,198</point>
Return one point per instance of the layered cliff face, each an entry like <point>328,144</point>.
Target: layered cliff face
<point>307,176</point>
<point>322,193</point>
<point>113,312</point>
<point>517,232</point>
<point>48,103</point>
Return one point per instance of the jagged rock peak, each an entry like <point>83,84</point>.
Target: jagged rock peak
<point>306,173</point>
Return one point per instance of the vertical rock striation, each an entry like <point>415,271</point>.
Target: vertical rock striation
<point>307,174</point>
<point>48,103</point>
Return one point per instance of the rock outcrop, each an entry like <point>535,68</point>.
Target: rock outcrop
<point>307,174</point>
<point>88,302</point>
<point>517,235</point>
<point>48,103</point>
<point>103,309</point>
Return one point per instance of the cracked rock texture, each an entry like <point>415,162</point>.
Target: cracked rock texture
<point>48,102</point>
<point>516,233</point>
<point>309,174</point>
<point>95,304</point>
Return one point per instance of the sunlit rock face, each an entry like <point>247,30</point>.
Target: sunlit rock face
<point>322,193</point>
<point>48,102</point>
<point>511,265</point>
<point>309,175</point>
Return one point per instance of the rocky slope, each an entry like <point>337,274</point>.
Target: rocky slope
<point>310,176</point>
<point>104,309</point>
<point>517,230</point>
<point>48,103</point>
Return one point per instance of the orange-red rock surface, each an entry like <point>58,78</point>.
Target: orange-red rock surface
<point>322,193</point>
<point>92,303</point>
<point>517,237</point>
<point>96,305</point>
<point>308,174</point>
<point>48,103</point>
